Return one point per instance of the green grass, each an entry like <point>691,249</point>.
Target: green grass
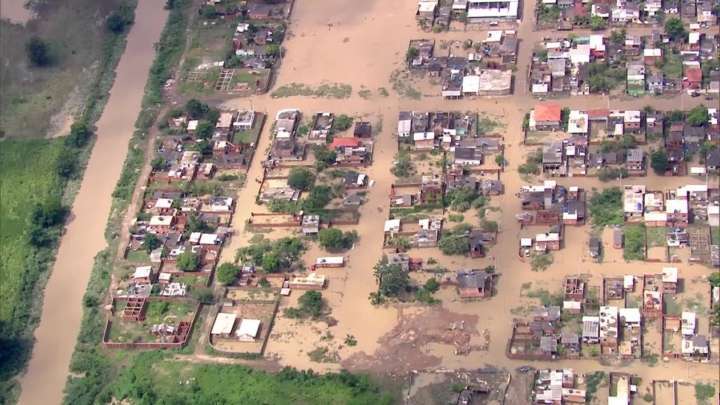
<point>29,178</point>
<point>656,237</point>
<point>326,90</point>
<point>30,96</point>
<point>634,248</point>
<point>28,170</point>
<point>151,375</point>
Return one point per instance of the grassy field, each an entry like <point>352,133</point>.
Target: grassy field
<point>29,175</point>
<point>162,381</point>
<point>31,96</point>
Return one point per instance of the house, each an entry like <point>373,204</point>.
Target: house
<point>609,328</point>
<point>313,281</point>
<point>473,284</point>
<point>143,275</point>
<point>696,348</point>
<point>635,162</point>
<point>468,156</point>
<point>677,212</point>
<point>482,10</point>
<point>547,241</point>
<point>310,225</point>
<point>353,180</point>
<point>692,75</point>
<point>669,280</point>
<point>424,141</point>
<point>404,125</point>
<point>322,125</point>
<point>363,129</point>
<point>245,120</point>
<point>223,325</point>
<point>591,329</point>
<point>248,330</point>
<point>545,117</point>
<point>689,323</point>
<point>636,79</point>
<point>656,83</point>
<point>553,159</point>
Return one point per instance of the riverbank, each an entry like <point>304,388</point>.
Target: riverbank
<point>62,307</point>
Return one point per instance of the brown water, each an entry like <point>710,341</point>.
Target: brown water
<point>57,333</point>
<point>15,11</point>
<point>361,43</point>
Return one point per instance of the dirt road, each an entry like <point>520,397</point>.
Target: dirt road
<point>57,333</point>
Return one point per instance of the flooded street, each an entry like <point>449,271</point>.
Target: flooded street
<point>57,332</point>
<point>361,44</point>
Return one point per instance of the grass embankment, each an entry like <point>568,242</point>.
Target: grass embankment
<point>32,95</point>
<point>41,176</point>
<point>154,379</point>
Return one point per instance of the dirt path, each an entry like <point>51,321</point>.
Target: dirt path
<point>56,335</point>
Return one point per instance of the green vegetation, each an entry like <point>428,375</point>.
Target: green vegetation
<point>425,293</point>
<point>188,261</point>
<point>455,241</point>
<point>603,78</point>
<point>532,163</point>
<point>461,199</point>
<point>272,256</point>
<point>597,23</point>
<point>120,19</point>
<point>634,248</point>
<point>334,239</point>
<point>606,207</point>
<point>403,166</point>
<point>324,157</point>
<point>546,298</point>
<point>38,52</point>
<point>226,273</point>
<point>548,14</point>
<point>659,161</point>
<point>674,28</point>
<point>317,199</point>
<point>327,90</point>
<point>310,305</point>
<point>392,281</point>
<point>342,123</point>
<point>541,262</point>
<point>612,173</point>
<point>301,179</point>
<point>704,392</point>
<point>593,382</point>
<point>186,383</point>
<point>698,116</point>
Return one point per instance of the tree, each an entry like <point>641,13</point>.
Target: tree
<point>66,163</point>
<point>411,54</point>
<point>342,122</point>
<point>392,279</point>
<point>597,23</point>
<point>618,37</point>
<point>311,303</point>
<point>489,226</point>
<point>335,239</point>
<point>79,135</point>
<point>714,279</point>
<point>196,109</point>
<point>659,161</point>
<point>324,157</point>
<point>300,179</point>
<point>227,273</point>
<point>118,20</point>
<point>205,130</point>
<point>204,295</point>
<point>432,285</point>
<point>151,242</point>
<point>208,11</point>
<point>188,261</point>
<point>403,166</point>
<point>271,262</point>
<point>698,116</point>
<point>317,199</point>
<point>38,52</point>
<point>454,244</point>
<point>674,28</point>
<point>158,163</point>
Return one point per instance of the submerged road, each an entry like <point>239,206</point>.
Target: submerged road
<point>62,311</point>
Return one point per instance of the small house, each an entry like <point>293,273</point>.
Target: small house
<point>473,284</point>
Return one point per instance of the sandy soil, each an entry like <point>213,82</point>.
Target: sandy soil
<point>62,308</point>
<point>361,44</point>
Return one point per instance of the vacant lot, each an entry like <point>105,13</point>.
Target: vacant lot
<point>36,101</point>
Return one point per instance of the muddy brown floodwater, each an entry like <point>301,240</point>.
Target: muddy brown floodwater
<point>62,311</point>
<point>15,11</point>
<point>361,43</point>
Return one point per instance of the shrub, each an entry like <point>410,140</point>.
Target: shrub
<point>227,273</point>
<point>118,20</point>
<point>606,207</point>
<point>301,179</point>
<point>38,52</point>
<point>342,123</point>
<point>541,262</point>
<point>79,135</point>
<point>634,248</point>
<point>188,261</point>
<point>698,116</point>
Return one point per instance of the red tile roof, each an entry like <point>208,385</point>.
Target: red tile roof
<point>344,142</point>
<point>693,74</point>
<point>547,112</point>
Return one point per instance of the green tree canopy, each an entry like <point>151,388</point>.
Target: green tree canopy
<point>227,273</point>
<point>698,116</point>
<point>659,161</point>
<point>188,261</point>
<point>38,52</point>
<point>301,178</point>
<point>674,28</point>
